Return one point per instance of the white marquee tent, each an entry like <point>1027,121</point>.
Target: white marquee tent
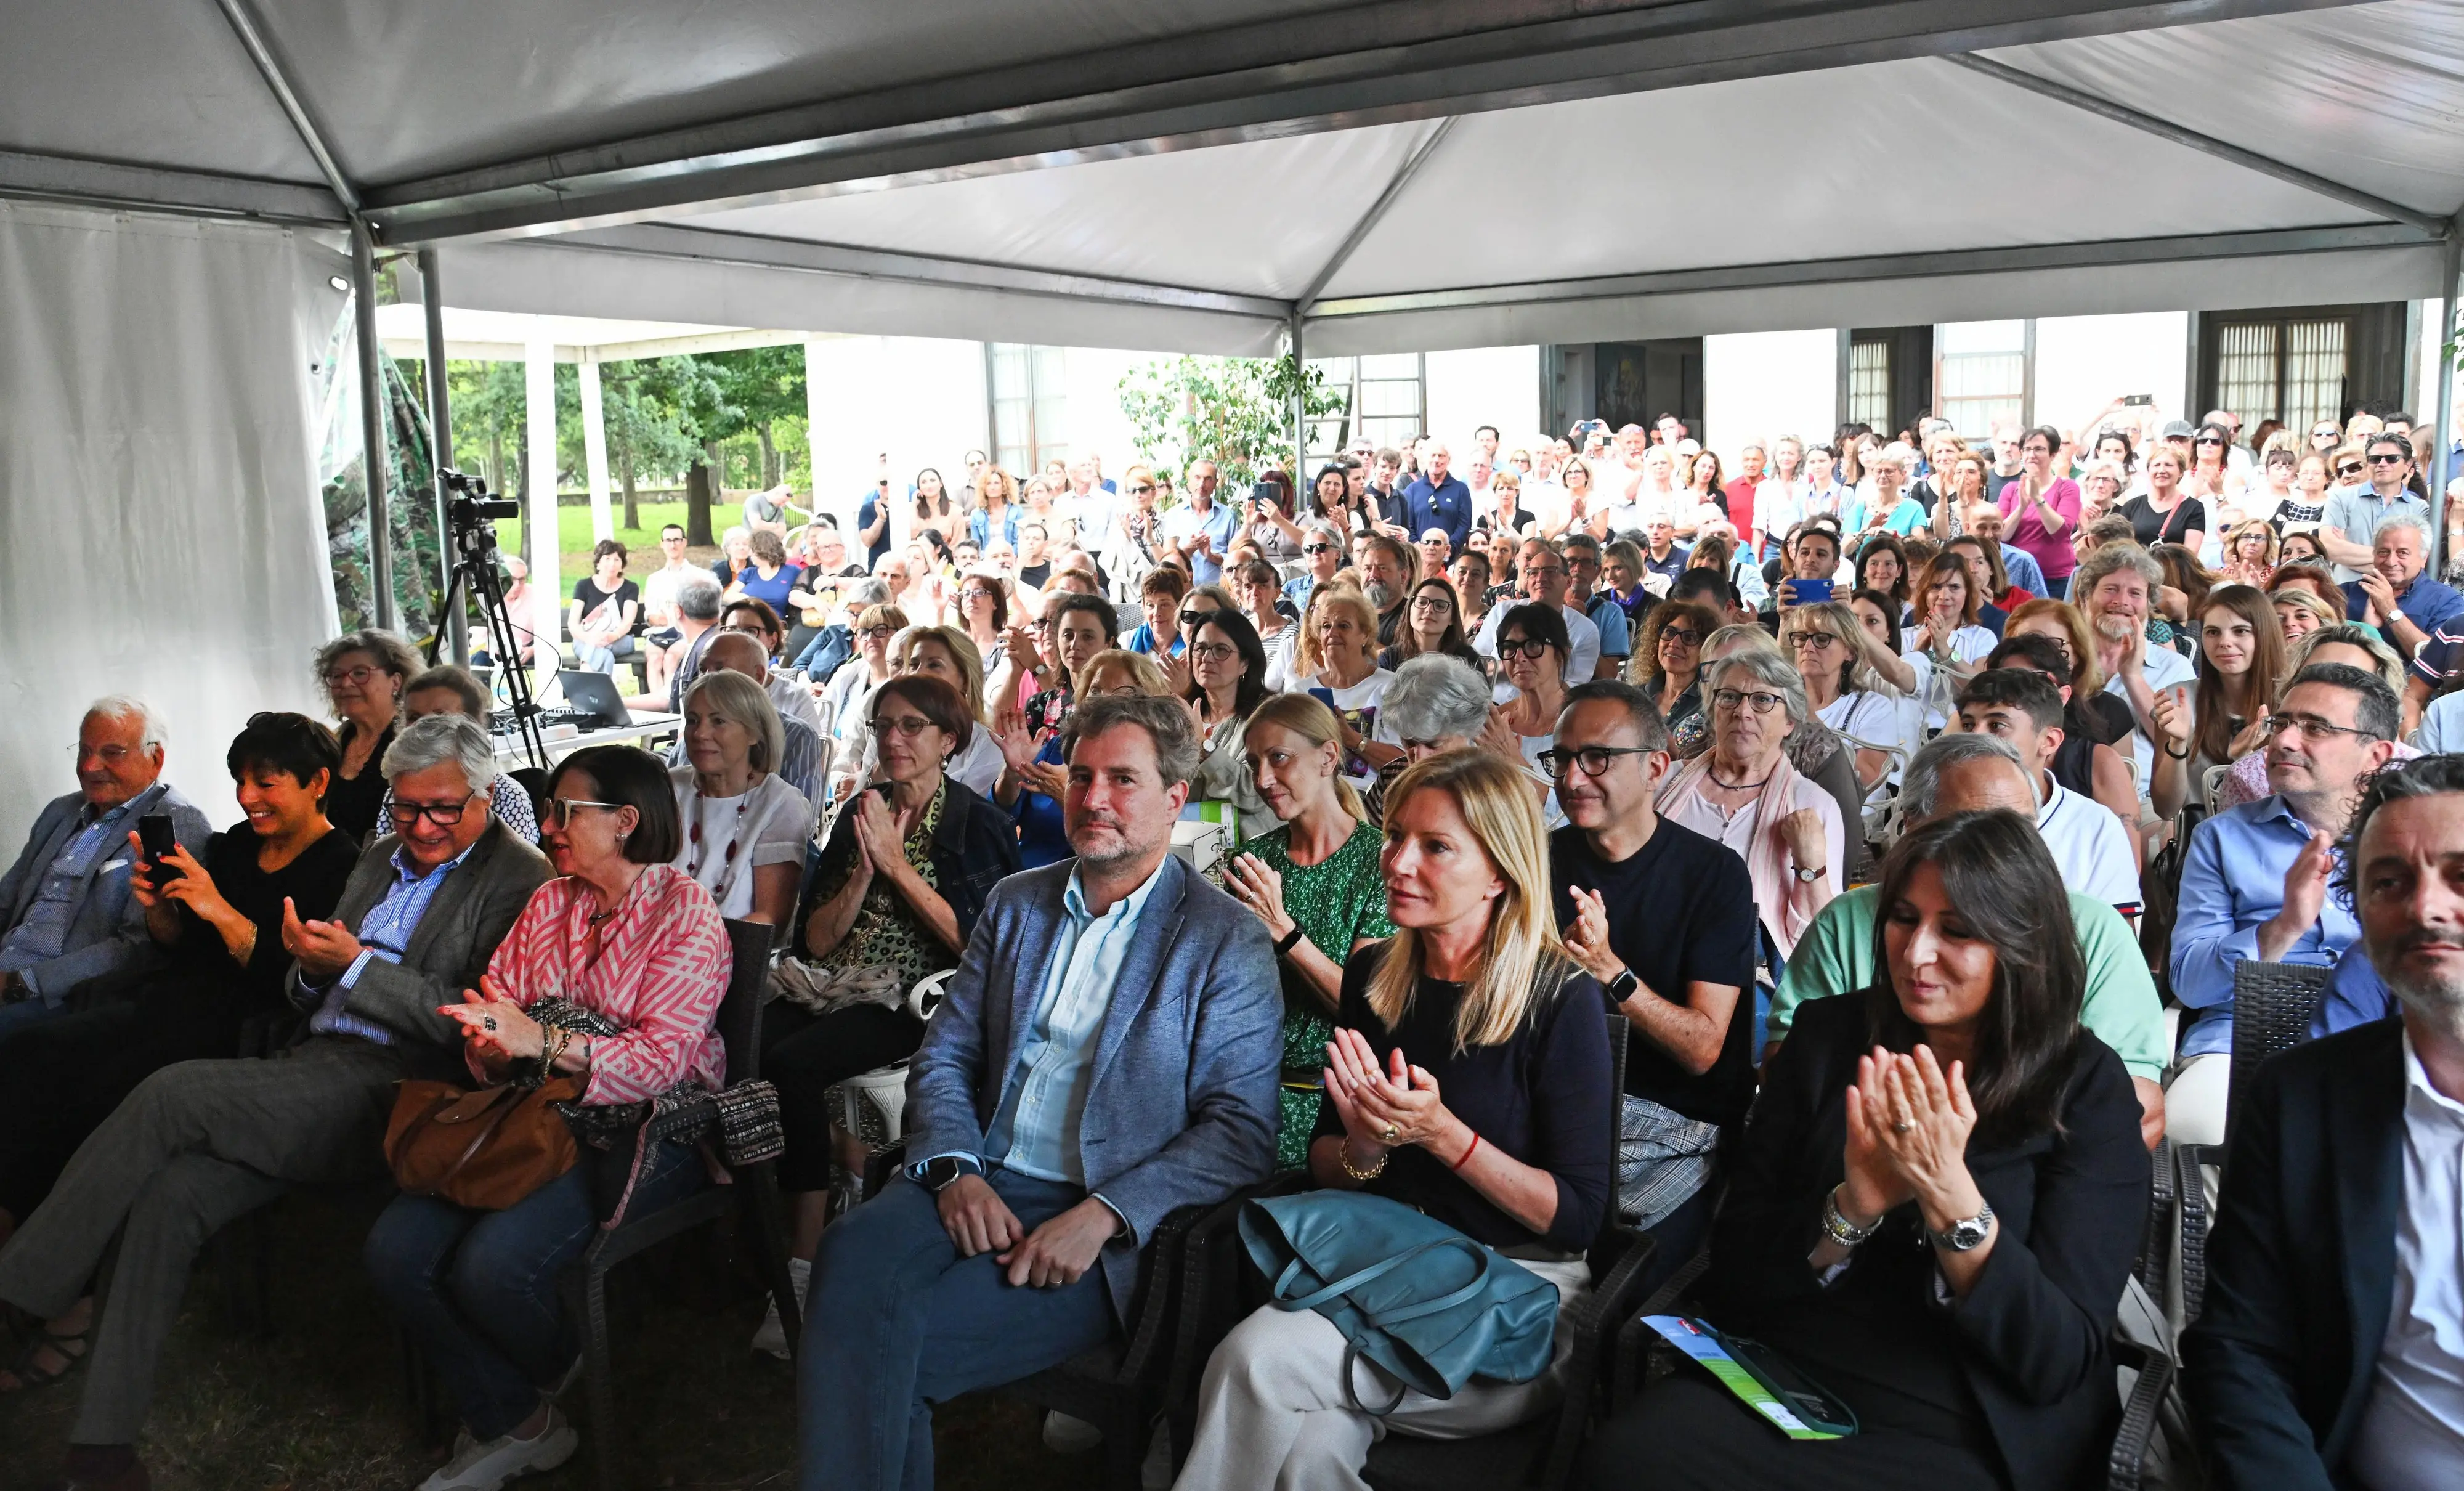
<point>1221,176</point>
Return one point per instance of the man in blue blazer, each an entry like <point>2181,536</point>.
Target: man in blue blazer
<point>66,915</point>
<point>2330,1350</point>
<point>1107,1054</point>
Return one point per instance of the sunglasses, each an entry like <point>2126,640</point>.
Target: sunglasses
<point>2207,440</point>
<point>2388,460</point>
<point>1521,647</point>
<point>557,812</point>
<point>2354,469</point>
<point>1318,548</point>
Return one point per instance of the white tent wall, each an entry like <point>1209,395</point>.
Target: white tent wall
<point>1763,385</point>
<point>2084,362</point>
<point>161,532</point>
<point>1483,386</point>
<point>919,400</point>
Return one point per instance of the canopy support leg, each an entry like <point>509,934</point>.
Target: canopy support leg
<point>372,422</point>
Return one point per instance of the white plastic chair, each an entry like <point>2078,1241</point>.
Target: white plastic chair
<point>885,1087</point>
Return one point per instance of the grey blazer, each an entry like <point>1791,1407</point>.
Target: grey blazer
<point>1180,1109</point>
<point>108,932</point>
<point>456,935</point>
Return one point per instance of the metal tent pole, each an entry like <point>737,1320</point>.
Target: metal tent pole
<point>440,427</point>
<point>372,422</point>
<point>2441,462</point>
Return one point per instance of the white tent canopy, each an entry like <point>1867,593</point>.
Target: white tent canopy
<point>1207,176</point>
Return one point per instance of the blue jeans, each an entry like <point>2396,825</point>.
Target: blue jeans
<point>602,660</point>
<point>897,1322</point>
<point>27,1014</point>
<point>477,1290</point>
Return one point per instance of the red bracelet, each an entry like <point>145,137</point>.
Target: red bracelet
<point>1467,1154</point>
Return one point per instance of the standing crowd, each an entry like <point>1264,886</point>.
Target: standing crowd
<point>1898,818</point>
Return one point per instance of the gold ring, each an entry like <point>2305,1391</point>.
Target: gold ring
<point>1391,1131</point>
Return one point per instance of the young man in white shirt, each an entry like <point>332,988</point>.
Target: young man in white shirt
<point>2087,841</point>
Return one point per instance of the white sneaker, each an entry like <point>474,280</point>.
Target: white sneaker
<point>772,1337</point>
<point>485,1467</point>
<point>1064,1435</point>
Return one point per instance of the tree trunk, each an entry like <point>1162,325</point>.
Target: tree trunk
<point>769,460</point>
<point>702,487</point>
<point>633,507</point>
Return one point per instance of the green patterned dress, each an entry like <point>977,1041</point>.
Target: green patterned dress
<point>1336,902</point>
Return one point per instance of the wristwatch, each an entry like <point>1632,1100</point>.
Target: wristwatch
<point>1812,873</point>
<point>1623,986</point>
<point>1967,1233</point>
<point>941,1173</point>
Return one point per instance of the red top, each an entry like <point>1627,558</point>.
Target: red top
<point>1741,508</point>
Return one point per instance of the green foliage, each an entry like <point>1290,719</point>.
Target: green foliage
<point>1236,411</point>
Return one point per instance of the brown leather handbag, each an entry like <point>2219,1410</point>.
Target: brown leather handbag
<point>486,1149</point>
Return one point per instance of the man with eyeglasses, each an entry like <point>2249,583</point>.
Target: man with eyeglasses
<point>1540,570</point>
<point>66,914</point>
<point>2355,512</point>
<point>2255,877</point>
<point>1602,609</point>
<point>1663,918</point>
<point>200,1144</point>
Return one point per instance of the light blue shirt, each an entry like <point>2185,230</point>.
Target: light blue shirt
<point>1218,523</point>
<point>1035,1128</point>
<point>42,933</point>
<point>2023,569</point>
<point>2221,910</point>
<point>385,932</point>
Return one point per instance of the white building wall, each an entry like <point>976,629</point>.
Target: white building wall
<point>1096,424</point>
<point>2085,362</point>
<point>1763,385</point>
<point>1484,386</point>
<point>919,400</point>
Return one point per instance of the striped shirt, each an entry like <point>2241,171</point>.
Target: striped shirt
<point>662,969</point>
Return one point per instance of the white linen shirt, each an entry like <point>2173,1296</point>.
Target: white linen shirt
<point>2413,1432</point>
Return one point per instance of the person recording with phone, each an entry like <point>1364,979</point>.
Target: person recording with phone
<point>67,914</point>
<point>1268,520</point>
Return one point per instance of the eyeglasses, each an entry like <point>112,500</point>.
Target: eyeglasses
<point>1543,571</point>
<point>1521,647</point>
<point>974,593</point>
<point>1214,652</point>
<point>1191,618</point>
<point>883,633</point>
<point>1434,603</point>
<point>356,677</point>
<point>2388,460</point>
<point>108,755</point>
<point>1682,636</point>
<point>557,812</point>
<point>2325,433</point>
<point>1731,700</point>
<point>1143,487</point>
<point>443,815</point>
<point>1820,641</point>
<point>1590,760</point>
<point>2314,728</point>
<point>905,726</point>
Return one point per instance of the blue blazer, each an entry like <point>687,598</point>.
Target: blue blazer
<point>1181,1110</point>
<point>107,934</point>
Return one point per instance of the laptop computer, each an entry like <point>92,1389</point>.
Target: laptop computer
<point>592,693</point>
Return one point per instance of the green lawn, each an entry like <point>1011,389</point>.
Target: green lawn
<point>574,540</point>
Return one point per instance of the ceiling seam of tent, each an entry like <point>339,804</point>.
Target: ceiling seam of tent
<point>1377,213</point>
<point>2431,223</point>
<point>252,36</point>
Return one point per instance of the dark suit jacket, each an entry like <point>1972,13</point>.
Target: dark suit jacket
<point>1181,1106</point>
<point>2030,1336</point>
<point>449,949</point>
<point>2301,1263</point>
<point>107,933</point>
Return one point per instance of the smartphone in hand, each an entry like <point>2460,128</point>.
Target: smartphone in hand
<point>154,836</point>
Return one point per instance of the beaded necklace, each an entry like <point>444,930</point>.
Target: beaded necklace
<point>727,858</point>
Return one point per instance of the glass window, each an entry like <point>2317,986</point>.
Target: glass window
<point>2296,367</point>
<point>1984,377</point>
<point>1386,403</point>
<point>1869,383</point>
<point>1029,404</point>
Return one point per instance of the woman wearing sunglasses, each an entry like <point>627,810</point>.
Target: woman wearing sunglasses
<point>1668,665</point>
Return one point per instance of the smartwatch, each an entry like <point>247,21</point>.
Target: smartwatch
<point>1623,986</point>
<point>939,1174</point>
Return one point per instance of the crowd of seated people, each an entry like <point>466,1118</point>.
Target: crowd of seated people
<point>1887,885</point>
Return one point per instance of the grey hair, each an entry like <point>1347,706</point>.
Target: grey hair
<point>732,696</point>
<point>1771,671</point>
<point>2403,520</point>
<point>1433,695</point>
<point>871,592</point>
<point>1165,720</point>
<point>455,739</point>
<point>2109,558</point>
<point>391,654</point>
<point>698,597</point>
<point>1321,528</point>
<point>1921,786</point>
<point>151,730</point>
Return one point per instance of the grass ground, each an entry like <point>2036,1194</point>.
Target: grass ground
<point>574,540</point>
<point>317,1403</point>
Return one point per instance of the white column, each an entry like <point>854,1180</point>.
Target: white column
<point>538,407</point>
<point>594,449</point>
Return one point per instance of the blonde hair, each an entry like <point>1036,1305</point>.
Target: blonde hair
<point>1312,722</point>
<point>1307,662</point>
<point>1140,668</point>
<point>883,615</point>
<point>1522,952</point>
<point>732,696</point>
<point>962,651</point>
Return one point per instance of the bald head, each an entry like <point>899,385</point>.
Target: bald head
<point>736,651</point>
<point>1983,783</point>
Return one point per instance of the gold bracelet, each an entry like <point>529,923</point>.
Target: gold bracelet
<point>1343,1157</point>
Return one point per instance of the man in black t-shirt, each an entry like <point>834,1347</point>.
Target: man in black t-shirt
<point>1664,919</point>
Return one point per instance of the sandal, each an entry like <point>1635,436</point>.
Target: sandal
<point>28,1370</point>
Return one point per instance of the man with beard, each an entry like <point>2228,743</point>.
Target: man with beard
<point>1386,579</point>
<point>1541,571</point>
<point>2330,1349</point>
<point>2255,880</point>
<point>2113,588</point>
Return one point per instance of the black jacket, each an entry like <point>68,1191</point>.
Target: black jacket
<point>2030,1339</point>
<point>2301,1264</point>
<point>974,847</point>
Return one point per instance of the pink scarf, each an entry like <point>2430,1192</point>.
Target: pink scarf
<point>1768,863</point>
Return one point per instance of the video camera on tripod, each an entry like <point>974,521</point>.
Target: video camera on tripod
<point>471,516</point>
<point>471,545</point>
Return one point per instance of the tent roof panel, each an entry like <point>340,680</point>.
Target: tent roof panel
<point>2372,94</point>
<point>1782,150</point>
<point>1220,218</point>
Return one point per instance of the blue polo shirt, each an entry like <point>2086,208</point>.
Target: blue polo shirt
<point>1446,505</point>
<point>2426,603</point>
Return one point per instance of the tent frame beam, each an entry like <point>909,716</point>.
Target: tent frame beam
<point>152,189</point>
<point>2224,150</point>
<point>277,81</point>
<point>1891,266</point>
<point>1385,62</point>
<point>1377,213</point>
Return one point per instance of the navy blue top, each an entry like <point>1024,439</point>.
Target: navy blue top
<point>1446,506</point>
<point>1542,1098</point>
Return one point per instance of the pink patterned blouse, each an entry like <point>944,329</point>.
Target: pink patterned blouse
<point>660,971</point>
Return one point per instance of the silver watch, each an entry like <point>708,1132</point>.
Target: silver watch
<point>1967,1233</point>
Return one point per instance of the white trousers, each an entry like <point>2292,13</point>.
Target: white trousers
<point>1272,1412</point>
<point>2194,1098</point>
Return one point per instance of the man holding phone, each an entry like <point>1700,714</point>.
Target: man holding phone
<point>1812,560</point>
<point>66,914</point>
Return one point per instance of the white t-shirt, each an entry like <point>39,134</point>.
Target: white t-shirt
<point>1092,516</point>
<point>1584,638</point>
<point>1358,703</point>
<point>793,700</point>
<point>659,589</point>
<point>1871,717</point>
<point>2163,669</point>
<point>769,824</point>
<point>1548,503</point>
<point>2089,847</point>
<point>1966,644</point>
<point>1280,649</point>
